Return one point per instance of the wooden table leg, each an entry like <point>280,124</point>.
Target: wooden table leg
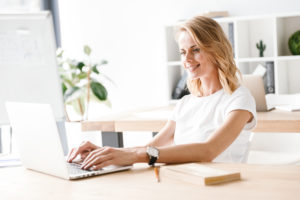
<point>112,139</point>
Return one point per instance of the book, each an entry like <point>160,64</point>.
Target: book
<point>198,174</point>
<point>270,84</point>
<point>231,36</point>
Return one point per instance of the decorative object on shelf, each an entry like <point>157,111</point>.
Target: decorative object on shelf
<point>181,88</point>
<point>80,83</point>
<point>261,47</point>
<point>231,36</point>
<point>270,83</point>
<point>294,43</point>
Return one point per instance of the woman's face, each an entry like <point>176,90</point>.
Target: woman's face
<point>195,61</point>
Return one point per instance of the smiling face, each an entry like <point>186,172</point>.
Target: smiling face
<point>195,61</point>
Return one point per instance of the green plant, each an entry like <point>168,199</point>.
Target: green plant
<point>294,43</point>
<point>261,47</point>
<point>80,83</point>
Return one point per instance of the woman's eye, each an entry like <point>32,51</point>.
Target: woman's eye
<point>182,53</point>
<point>196,50</point>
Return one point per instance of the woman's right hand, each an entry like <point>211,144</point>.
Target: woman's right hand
<point>83,150</point>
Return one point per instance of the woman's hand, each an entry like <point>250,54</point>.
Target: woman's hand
<point>104,156</point>
<point>83,150</point>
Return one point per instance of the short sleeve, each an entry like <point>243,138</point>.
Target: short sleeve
<point>243,100</point>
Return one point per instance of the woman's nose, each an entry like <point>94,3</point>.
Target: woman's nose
<point>188,57</point>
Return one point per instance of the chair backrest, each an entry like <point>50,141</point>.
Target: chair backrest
<point>274,148</point>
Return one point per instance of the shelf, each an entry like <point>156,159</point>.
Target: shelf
<point>288,75</point>
<point>244,32</point>
<point>255,59</point>
<point>287,58</point>
<point>286,26</point>
<point>250,32</point>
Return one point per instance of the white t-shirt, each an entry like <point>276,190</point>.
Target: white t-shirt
<point>198,117</point>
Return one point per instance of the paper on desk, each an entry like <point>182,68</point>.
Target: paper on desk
<point>9,161</point>
<point>288,107</point>
<point>282,99</point>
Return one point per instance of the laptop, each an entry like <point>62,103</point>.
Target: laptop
<point>255,85</point>
<point>39,145</point>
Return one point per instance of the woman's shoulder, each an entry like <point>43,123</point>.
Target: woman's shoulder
<point>241,90</point>
<point>240,93</point>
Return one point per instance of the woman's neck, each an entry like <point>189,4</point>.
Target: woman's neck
<point>210,86</point>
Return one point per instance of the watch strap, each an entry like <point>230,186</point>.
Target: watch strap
<point>152,160</point>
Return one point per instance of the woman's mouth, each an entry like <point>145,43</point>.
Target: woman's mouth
<point>192,68</point>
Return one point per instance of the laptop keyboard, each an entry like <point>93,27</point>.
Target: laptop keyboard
<point>74,168</point>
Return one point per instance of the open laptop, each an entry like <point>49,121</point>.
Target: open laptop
<point>40,148</point>
<point>256,86</point>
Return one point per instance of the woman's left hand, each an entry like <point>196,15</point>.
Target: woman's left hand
<point>105,156</point>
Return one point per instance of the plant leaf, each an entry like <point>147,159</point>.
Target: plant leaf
<point>59,52</point>
<point>103,62</point>
<point>64,88</point>
<point>82,75</point>
<point>94,69</point>
<point>99,90</point>
<point>87,50</point>
<point>66,81</point>
<point>72,94</point>
<point>80,65</point>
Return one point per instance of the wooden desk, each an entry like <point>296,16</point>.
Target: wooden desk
<point>258,182</point>
<point>153,119</point>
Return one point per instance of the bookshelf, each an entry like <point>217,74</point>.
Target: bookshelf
<point>244,32</point>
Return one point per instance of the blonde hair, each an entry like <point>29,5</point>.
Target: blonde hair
<point>210,38</point>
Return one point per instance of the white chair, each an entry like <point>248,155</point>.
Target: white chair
<point>275,149</point>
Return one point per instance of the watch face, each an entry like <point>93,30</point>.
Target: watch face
<point>152,151</point>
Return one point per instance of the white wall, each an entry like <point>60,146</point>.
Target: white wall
<point>129,34</point>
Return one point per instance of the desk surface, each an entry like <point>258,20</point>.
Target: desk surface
<point>153,119</point>
<point>258,182</point>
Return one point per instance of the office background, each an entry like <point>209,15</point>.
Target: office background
<point>130,35</point>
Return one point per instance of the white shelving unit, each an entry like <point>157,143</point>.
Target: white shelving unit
<point>244,32</point>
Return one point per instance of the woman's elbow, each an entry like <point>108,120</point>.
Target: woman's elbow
<point>209,154</point>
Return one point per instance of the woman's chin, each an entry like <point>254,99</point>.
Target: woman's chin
<point>193,76</point>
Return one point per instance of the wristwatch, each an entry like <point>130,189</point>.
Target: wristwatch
<point>153,154</point>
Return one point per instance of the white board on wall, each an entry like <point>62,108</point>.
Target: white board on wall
<point>28,68</point>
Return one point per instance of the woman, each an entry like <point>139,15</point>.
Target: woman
<point>210,124</point>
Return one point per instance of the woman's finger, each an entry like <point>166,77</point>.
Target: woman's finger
<point>97,160</point>
<point>85,146</point>
<point>69,154</point>
<point>103,164</point>
<point>91,155</point>
<point>91,158</point>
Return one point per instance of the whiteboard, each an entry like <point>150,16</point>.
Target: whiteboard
<point>28,67</point>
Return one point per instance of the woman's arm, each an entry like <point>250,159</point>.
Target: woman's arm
<point>165,136</point>
<point>203,152</point>
<point>209,150</point>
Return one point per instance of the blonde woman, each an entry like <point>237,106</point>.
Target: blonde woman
<point>213,123</point>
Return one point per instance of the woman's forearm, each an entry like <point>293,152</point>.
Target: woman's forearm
<point>196,152</point>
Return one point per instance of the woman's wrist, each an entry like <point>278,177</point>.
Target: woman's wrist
<point>141,155</point>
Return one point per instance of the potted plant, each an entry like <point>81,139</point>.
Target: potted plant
<point>79,82</point>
